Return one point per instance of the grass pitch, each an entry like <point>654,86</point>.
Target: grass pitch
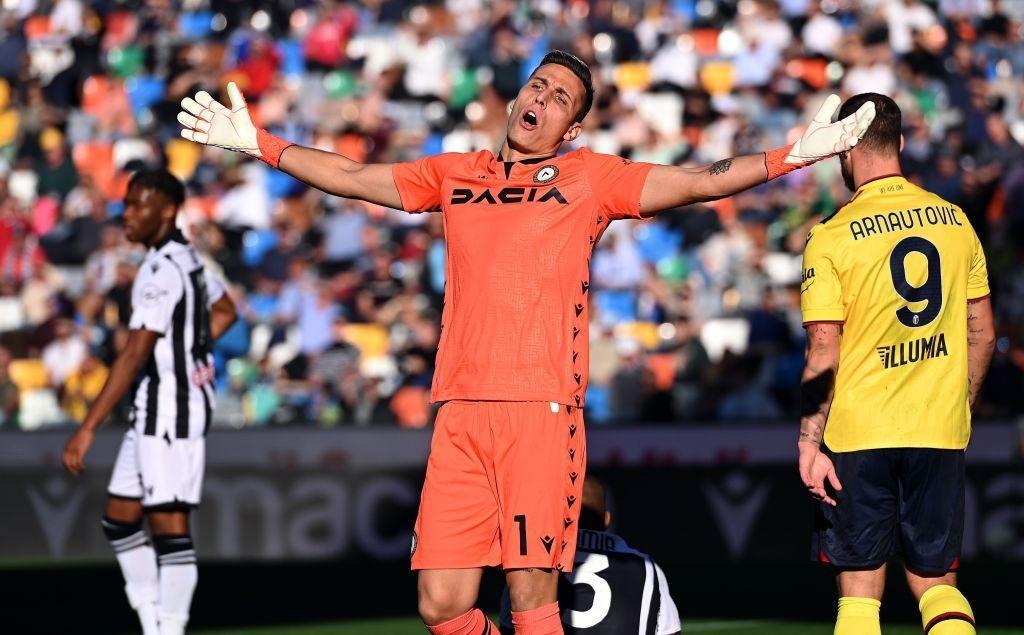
<point>718,627</point>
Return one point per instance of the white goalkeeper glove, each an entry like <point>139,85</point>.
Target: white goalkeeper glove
<point>822,138</point>
<point>209,122</point>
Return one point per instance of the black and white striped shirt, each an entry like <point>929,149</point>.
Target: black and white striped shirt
<point>613,590</point>
<point>172,296</point>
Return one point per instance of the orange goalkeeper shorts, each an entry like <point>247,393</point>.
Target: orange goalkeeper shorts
<point>504,486</point>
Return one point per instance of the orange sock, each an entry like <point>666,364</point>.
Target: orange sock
<point>471,623</point>
<point>543,620</point>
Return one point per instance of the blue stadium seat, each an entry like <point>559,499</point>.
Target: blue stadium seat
<point>195,25</point>
<point>656,241</point>
<point>293,63</point>
<point>144,91</point>
<point>255,244</point>
<point>616,305</point>
<point>599,404</point>
<point>280,185</point>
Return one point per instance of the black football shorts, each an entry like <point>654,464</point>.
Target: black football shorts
<point>905,502</point>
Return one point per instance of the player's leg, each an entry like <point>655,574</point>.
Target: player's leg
<point>447,601</point>
<point>533,595</point>
<point>857,535</point>
<point>944,609</point>
<point>860,598</point>
<point>122,525</point>
<point>172,474</point>
<point>539,475</point>
<point>176,557</point>
<point>456,531</point>
<point>931,523</point>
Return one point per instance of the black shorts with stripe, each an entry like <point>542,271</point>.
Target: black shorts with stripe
<point>906,502</point>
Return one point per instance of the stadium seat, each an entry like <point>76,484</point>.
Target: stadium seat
<point>144,91</point>
<point>37,27</point>
<point>293,63</point>
<point>39,408</point>
<point>663,367</point>
<point>411,406</point>
<point>121,28</point>
<point>632,76</point>
<point>255,244</point>
<point>132,149</point>
<point>718,77</point>
<point>656,241</point>
<point>616,305</point>
<point>721,334</point>
<point>12,317</point>
<point>599,406</point>
<point>195,25</point>
<point>182,157</point>
<point>96,158</point>
<point>371,339</point>
<point>28,374</point>
<point>126,61</point>
<point>281,185</point>
<point>644,332</point>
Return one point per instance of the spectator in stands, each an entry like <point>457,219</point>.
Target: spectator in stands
<point>9,399</point>
<point>391,82</point>
<point>65,354</point>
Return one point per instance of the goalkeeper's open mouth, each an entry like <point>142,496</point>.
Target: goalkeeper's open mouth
<point>529,120</point>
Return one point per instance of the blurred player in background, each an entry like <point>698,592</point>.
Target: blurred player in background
<point>178,310</point>
<point>508,455</point>
<point>895,300</point>
<point>612,588</point>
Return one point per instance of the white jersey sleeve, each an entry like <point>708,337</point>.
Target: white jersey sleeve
<point>668,614</point>
<point>214,287</point>
<point>157,289</point>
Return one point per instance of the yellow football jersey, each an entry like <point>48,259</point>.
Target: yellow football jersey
<point>897,266</point>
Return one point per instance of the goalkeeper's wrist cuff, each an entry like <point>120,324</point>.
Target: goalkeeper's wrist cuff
<point>271,147</point>
<point>775,162</point>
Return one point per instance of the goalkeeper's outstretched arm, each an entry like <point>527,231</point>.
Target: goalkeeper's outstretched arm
<point>672,186</point>
<point>209,122</point>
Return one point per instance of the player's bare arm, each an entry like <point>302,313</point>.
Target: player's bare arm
<point>673,186</point>
<point>222,316</point>
<point>209,122</point>
<point>816,391</point>
<point>981,342</point>
<point>136,351</point>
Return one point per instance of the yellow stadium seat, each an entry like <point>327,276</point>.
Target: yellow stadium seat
<point>718,77</point>
<point>370,339</point>
<point>644,332</point>
<point>28,374</point>
<point>182,157</point>
<point>633,76</point>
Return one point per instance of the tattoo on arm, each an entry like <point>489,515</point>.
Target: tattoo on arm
<point>720,167</point>
<point>819,378</point>
<point>815,401</point>
<point>980,346</point>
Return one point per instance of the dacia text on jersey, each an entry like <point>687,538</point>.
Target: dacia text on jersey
<point>904,219</point>
<point>507,195</point>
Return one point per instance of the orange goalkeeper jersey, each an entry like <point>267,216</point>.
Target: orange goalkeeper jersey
<point>519,237</point>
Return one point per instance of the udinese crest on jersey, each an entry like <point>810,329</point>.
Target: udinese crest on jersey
<point>545,174</point>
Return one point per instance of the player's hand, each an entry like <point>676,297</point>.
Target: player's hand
<point>822,138</point>
<point>73,456</point>
<point>209,122</point>
<point>815,467</point>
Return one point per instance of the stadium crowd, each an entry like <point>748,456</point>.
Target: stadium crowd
<point>695,313</point>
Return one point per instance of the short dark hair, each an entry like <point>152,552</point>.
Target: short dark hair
<point>162,181</point>
<point>594,504</point>
<point>580,69</point>
<point>883,135</point>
